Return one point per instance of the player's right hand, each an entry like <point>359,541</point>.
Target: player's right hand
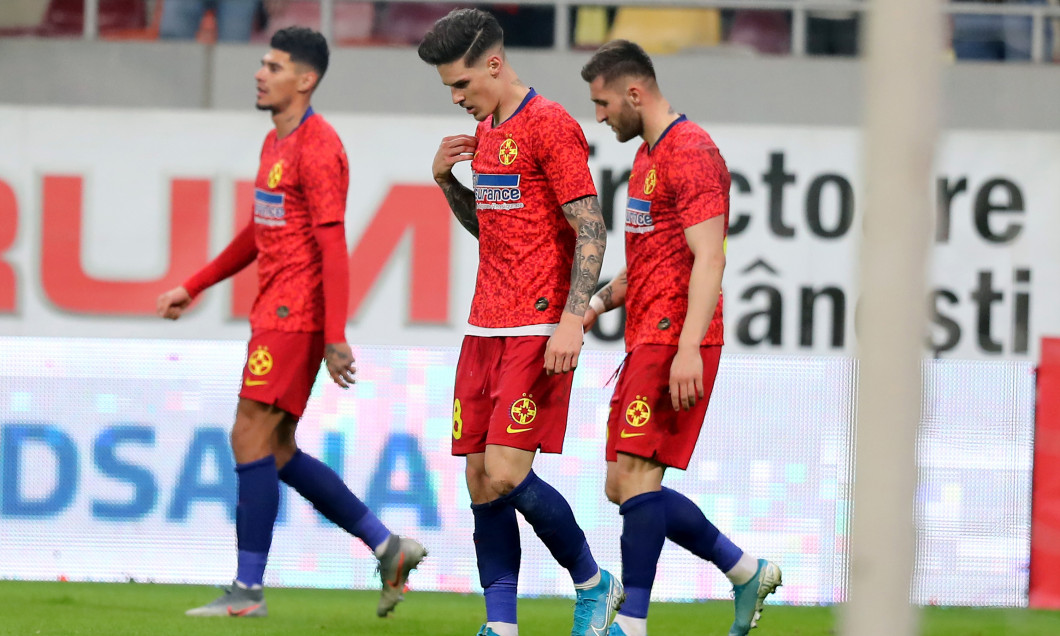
<point>563,346</point>
<point>172,303</point>
<point>451,151</point>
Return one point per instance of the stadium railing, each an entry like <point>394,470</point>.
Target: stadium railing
<point>799,10</point>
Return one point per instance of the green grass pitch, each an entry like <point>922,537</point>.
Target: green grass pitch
<point>125,609</point>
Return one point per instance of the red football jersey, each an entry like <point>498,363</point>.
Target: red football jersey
<point>524,170</point>
<point>302,182</point>
<point>680,182</point>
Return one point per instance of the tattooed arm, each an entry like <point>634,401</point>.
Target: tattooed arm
<point>584,215</point>
<point>613,294</point>
<point>610,296</point>
<point>462,203</point>
<point>461,200</point>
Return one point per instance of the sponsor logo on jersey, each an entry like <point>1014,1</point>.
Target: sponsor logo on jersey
<point>268,208</point>
<point>497,191</point>
<point>638,216</point>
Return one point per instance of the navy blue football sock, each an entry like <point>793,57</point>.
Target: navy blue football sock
<point>688,527</point>
<point>643,535</point>
<point>322,487</point>
<point>552,519</point>
<point>259,500</point>
<point>499,552</point>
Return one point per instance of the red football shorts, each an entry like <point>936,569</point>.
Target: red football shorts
<point>642,420</point>
<point>281,368</point>
<point>503,396</point>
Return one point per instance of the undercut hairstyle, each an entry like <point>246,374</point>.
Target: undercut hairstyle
<point>618,58</point>
<point>305,46</point>
<point>463,34</point>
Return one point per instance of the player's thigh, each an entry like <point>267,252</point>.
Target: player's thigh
<point>472,393</point>
<point>254,429</point>
<point>639,402</point>
<point>281,368</point>
<point>530,406</point>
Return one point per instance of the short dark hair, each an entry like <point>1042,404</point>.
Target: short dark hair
<point>305,46</point>
<point>464,33</point>
<point>618,58</point>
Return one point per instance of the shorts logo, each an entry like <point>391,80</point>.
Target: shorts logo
<point>508,152</point>
<point>649,182</point>
<point>523,412</point>
<point>260,362</point>
<point>458,422</point>
<point>638,412</point>
<point>276,174</point>
<point>268,208</point>
<point>638,216</point>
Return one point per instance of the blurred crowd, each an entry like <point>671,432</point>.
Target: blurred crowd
<point>658,29</point>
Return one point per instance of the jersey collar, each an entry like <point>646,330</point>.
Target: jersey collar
<point>668,128</point>
<point>526,100</point>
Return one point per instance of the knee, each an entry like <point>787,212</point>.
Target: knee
<point>613,490</point>
<point>239,433</point>
<point>245,430</point>
<point>475,474</point>
<point>504,477</point>
<point>502,485</point>
<point>478,483</point>
<point>283,454</point>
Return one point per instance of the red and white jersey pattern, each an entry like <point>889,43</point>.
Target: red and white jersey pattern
<point>524,170</point>
<point>301,183</point>
<point>680,182</point>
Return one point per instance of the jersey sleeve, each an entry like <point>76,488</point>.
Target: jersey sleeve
<point>241,252</point>
<point>701,184</point>
<point>325,174</point>
<point>563,155</point>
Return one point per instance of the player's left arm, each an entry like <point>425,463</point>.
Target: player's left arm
<point>338,357</point>
<point>706,240</point>
<point>585,216</point>
<point>563,157</point>
<point>701,186</point>
<point>326,179</point>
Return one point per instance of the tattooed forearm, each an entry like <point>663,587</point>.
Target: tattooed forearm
<point>605,295</point>
<point>614,293</point>
<point>331,351</point>
<point>462,203</point>
<point>585,216</point>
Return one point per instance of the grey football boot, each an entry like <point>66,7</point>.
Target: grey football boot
<point>401,556</point>
<point>238,600</point>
